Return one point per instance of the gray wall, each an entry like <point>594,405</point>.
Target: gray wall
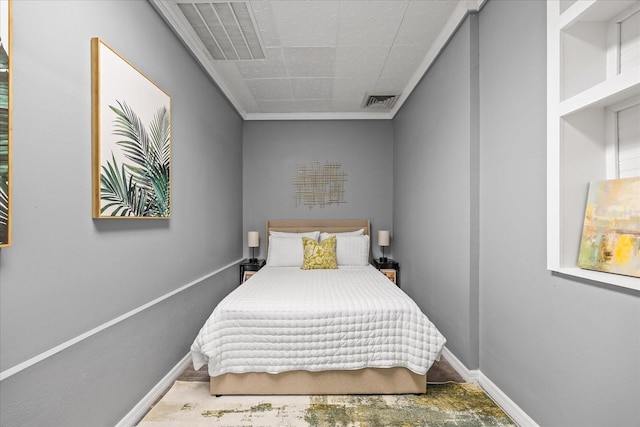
<point>567,351</point>
<point>435,193</point>
<point>564,350</point>
<point>273,152</point>
<point>66,273</point>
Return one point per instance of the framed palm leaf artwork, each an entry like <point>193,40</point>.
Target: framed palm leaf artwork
<point>5,122</point>
<point>131,139</point>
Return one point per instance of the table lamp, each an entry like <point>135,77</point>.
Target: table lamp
<point>253,239</point>
<point>383,240</point>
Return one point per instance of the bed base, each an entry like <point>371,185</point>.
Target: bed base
<point>360,381</point>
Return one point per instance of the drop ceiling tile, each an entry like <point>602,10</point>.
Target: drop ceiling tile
<point>266,22</point>
<point>346,105</point>
<point>267,89</point>
<point>315,88</point>
<point>227,69</point>
<point>360,61</point>
<point>424,21</point>
<point>385,84</point>
<point>243,94</point>
<point>271,66</point>
<point>278,106</point>
<point>403,61</point>
<point>309,61</point>
<point>369,22</point>
<point>314,106</point>
<point>306,23</point>
<point>345,88</point>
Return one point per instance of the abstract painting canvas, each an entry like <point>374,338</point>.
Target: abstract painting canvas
<point>5,123</point>
<point>611,233</point>
<point>131,137</point>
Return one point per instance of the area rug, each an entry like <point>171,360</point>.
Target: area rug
<point>449,404</point>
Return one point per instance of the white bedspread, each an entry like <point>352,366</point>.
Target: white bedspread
<point>285,319</point>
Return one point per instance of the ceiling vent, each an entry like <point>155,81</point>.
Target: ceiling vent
<point>380,101</point>
<point>227,29</point>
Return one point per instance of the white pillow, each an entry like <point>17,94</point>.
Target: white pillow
<point>352,250</point>
<point>285,251</point>
<point>346,233</point>
<point>315,235</point>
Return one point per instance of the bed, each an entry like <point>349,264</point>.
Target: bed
<point>344,330</point>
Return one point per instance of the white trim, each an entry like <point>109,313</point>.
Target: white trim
<point>470,376</point>
<point>554,149</point>
<point>628,282</point>
<point>615,89</point>
<point>141,408</point>
<point>474,376</point>
<point>364,115</point>
<point>57,349</point>
<point>493,391</point>
<point>514,411</point>
<point>447,32</point>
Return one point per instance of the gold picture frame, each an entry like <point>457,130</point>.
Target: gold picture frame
<point>131,139</point>
<point>6,124</point>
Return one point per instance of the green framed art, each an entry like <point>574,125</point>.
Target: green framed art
<point>5,121</point>
<point>131,139</point>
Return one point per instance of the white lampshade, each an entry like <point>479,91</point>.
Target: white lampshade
<point>383,237</point>
<point>253,239</point>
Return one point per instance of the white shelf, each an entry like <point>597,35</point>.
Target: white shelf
<point>609,92</point>
<point>596,276</point>
<point>593,11</point>
<point>583,79</point>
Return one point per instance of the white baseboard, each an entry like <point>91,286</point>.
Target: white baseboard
<point>514,411</point>
<point>493,391</point>
<point>470,376</point>
<point>474,376</point>
<point>138,411</point>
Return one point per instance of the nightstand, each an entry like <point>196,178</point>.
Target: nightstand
<point>248,268</point>
<point>389,268</point>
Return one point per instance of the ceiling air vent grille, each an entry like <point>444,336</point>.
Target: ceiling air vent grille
<point>380,101</point>
<point>227,29</point>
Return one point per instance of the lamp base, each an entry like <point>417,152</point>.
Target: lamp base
<point>253,260</point>
<point>383,260</point>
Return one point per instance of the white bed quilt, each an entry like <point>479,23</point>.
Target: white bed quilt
<point>286,319</point>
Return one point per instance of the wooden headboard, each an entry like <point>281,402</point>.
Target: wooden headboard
<point>322,225</point>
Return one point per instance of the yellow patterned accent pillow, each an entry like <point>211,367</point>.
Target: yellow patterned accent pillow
<point>319,255</point>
